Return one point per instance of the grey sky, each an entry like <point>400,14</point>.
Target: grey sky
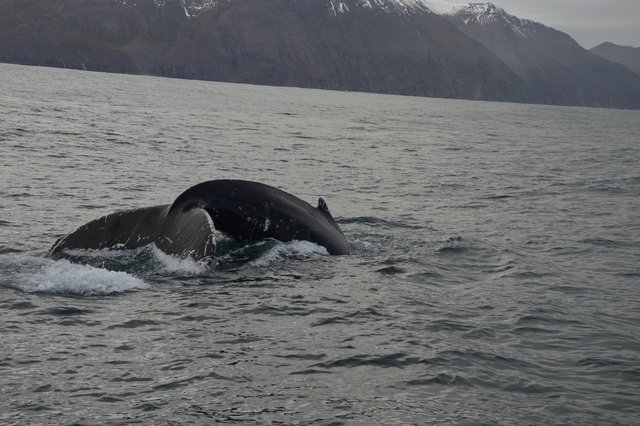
<point>589,22</point>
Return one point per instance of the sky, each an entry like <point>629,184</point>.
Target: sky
<point>589,22</point>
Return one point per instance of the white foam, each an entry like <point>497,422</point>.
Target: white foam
<point>291,249</point>
<point>366,245</point>
<point>40,275</point>
<point>165,262</point>
<point>174,264</point>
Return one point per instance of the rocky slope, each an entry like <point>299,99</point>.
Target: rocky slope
<point>385,46</point>
<point>556,69</point>
<point>388,46</point>
<point>625,55</point>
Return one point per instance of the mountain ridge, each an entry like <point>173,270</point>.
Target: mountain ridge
<point>555,67</point>
<point>381,46</point>
<point>626,55</point>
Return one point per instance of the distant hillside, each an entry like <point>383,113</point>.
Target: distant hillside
<point>387,46</point>
<point>555,67</point>
<point>384,46</point>
<point>625,55</point>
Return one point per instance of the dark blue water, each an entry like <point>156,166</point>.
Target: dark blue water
<point>494,280</point>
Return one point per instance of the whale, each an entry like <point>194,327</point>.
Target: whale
<point>245,210</point>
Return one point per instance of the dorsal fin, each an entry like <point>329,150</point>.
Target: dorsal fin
<point>322,205</point>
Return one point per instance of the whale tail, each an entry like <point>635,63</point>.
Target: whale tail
<point>248,211</point>
<point>189,234</point>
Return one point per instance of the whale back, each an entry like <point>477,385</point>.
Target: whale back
<point>251,211</point>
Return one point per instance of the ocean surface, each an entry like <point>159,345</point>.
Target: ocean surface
<point>495,274</point>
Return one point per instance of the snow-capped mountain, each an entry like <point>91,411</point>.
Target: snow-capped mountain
<point>488,14</point>
<point>388,46</point>
<point>192,8</point>
<point>385,46</point>
<point>196,7</point>
<point>554,66</point>
<point>403,7</point>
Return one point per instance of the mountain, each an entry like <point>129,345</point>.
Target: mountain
<point>387,46</point>
<point>556,69</point>
<point>625,55</point>
<point>383,46</point>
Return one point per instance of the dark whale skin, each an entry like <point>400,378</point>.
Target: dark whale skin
<point>181,234</point>
<point>251,211</point>
<point>248,211</point>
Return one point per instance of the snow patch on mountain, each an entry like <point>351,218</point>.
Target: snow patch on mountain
<point>196,7</point>
<point>402,7</point>
<point>192,8</point>
<point>445,6</point>
<point>338,7</point>
<point>487,14</point>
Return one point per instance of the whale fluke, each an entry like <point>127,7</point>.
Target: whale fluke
<point>248,211</point>
<point>185,234</point>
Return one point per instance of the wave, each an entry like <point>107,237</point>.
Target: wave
<point>454,245</point>
<point>145,261</point>
<point>378,223</point>
<point>41,275</point>
<point>172,264</point>
<point>103,272</point>
<point>231,254</point>
<point>291,250</point>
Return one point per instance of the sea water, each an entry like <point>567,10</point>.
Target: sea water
<point>494,277</point>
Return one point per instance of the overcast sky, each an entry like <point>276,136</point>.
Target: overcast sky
<point>589,22</point>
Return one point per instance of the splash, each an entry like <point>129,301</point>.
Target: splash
<point>40,275</point>
<point>172,264</point>
<point>293,249</point>
<point>146,261</point>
